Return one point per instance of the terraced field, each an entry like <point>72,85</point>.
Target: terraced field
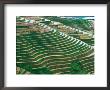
<point>52,52</point>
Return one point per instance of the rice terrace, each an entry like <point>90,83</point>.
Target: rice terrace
<point>54,45</point>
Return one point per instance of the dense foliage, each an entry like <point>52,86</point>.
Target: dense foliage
<point>83,24</point>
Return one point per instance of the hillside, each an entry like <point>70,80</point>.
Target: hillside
<point>50,51</point>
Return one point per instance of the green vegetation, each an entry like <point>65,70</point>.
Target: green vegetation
<point>33,49</point>
<point>76,23</point>
<point>52,51</point>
